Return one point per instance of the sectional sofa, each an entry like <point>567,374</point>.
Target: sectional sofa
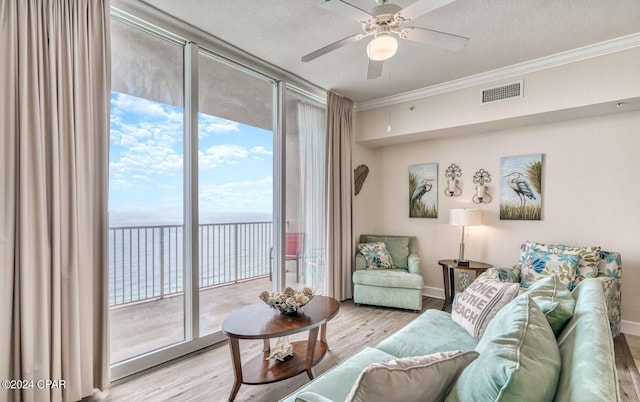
<point>550,342</point>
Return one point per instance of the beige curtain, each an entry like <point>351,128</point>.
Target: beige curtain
<point>339,197</point>
<point>54,118</point>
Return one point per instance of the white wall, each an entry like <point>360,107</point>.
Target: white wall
<point>591,194</point>
<point>579,89</point>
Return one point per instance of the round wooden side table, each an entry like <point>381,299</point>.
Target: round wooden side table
<point>259,321</point>
<point>475,268</point>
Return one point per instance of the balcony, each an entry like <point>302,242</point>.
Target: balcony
<point>146,280</point>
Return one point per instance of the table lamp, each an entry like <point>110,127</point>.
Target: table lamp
<point>464,217</point>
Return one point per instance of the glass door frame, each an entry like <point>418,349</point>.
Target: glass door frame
<point>192,340</point>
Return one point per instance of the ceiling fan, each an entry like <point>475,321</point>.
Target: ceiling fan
<point>382,24</point>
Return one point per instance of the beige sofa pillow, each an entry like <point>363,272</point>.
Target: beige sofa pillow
<point>480,302</point>
<point>420,378</point>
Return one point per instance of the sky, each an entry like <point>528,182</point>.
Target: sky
<point>235,164</point>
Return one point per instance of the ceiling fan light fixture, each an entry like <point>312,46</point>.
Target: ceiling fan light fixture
<point>382,47</point>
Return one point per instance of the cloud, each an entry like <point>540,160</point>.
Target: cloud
<point>261,151</point>
<point>218,155</point>
<point>211,125</point>
<point>118,180</point>
<point>123,103</point>
<point>147,155</point>
<point>242,195</point>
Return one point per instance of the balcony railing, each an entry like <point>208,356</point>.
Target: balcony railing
<point>146,262</point>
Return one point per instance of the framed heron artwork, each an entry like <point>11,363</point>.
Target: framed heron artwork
<point>521,187</point>
<point>423,191</point>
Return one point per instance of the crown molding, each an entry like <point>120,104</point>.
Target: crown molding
<point>527,67</point>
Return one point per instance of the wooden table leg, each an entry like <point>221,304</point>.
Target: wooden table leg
<point>452,285</point>
<point>266,348</point>
<point>323,334</point>
<point>447,286</point>
<point>234,344</point>
<point>311,347</point>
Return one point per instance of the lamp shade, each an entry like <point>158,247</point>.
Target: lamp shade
<point>465,217</point>
<point>382,47</point>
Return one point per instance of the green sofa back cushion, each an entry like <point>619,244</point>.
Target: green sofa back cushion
<point>555,301</point>
<point>376,255</point>
<point>397,246</point>
<point>519,358</point>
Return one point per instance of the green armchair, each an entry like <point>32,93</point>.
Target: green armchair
<point>400,286</point>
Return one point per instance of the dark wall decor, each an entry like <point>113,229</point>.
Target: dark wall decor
<point>480,179</point>
<point>451,173</point>
<point>359,176</point>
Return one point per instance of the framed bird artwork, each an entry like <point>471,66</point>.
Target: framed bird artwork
<point>423,191</point>
<point>521,187</point>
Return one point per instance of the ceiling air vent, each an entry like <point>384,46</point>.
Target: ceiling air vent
<point>509,91</point>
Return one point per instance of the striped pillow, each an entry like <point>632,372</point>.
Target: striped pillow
<point>480,302</point>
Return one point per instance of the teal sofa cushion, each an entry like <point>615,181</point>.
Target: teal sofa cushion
<point>555,301</point>
<point>398,247</point>
<point>431,332</point>
<point>308,396</point>
<point>588,358</point>
<point>519,358</point>
<point>336,383</point>
<point>388,278</point>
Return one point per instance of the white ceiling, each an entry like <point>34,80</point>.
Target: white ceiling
<point>502,33</point>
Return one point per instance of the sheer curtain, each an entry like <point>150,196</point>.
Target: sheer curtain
<point>54,117</point>
<point>311,126</point>
<point>339,197</point>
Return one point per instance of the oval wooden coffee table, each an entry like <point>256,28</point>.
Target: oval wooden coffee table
<point>259,321</point>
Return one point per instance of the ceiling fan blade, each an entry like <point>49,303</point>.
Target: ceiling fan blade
<point>374,70</point>
<point>434,38</point>
<point>346,9</point>
<point>419,8</point>
<point>329,48</point>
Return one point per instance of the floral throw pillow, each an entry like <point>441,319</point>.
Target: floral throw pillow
<point>587,265</point>
<point>540,264</point>
<point>376,255</point>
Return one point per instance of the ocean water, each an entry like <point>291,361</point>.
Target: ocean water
<point>172,217</point>
<point>146,252</point>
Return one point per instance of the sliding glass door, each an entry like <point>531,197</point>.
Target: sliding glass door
<point>216,193</point>
<point>145,193</point>
<point>235,190</point>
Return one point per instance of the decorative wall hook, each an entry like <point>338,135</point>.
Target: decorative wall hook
<point>452,189</point>
<point>481,196</point>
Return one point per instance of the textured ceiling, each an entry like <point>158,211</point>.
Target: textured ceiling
<point>501,32</point>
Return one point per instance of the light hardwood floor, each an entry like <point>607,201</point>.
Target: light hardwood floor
<point>207,375</point>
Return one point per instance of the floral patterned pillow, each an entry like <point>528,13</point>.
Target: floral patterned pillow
<point>376,255</point>
<point>540,264</point>
<point>510,274</point>
<point>587,265</point>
